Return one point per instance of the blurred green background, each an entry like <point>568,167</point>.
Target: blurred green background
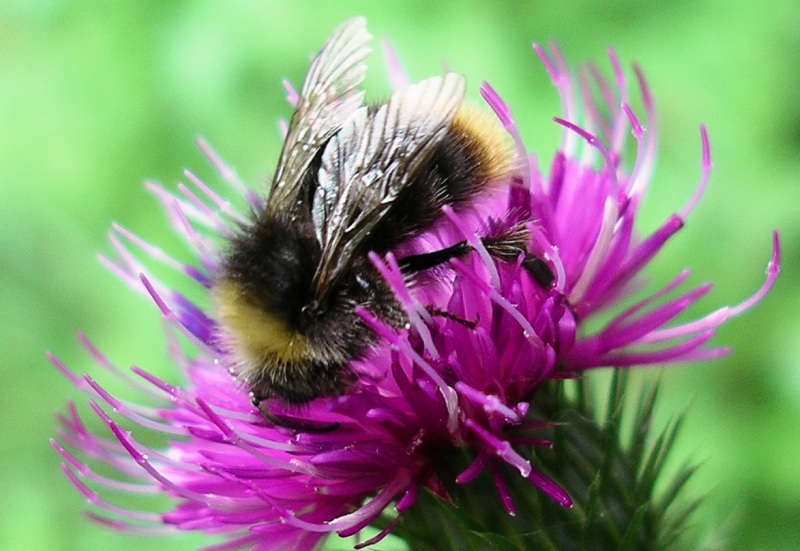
<point>97,96</point>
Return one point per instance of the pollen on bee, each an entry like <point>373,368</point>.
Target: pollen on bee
<point>487,141</point>
<point>255,332</point>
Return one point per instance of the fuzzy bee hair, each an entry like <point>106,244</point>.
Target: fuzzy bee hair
<point>351,178</point>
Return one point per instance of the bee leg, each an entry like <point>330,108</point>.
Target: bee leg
<point>432,310</point>
<point>509,246</point>
<point>425,261</point>
<point>539,269</point>
<point>304,425</point>
<point>294,423</point>
<point>505,247</point>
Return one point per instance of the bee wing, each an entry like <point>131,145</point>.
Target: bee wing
<point>327,100</point>
<point>369,163</point>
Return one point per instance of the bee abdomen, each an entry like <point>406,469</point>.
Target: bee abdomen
<point>474,152</point>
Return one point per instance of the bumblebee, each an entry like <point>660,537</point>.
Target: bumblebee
<point>351,178</point>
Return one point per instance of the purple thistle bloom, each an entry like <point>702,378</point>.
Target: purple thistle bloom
<point>461,378</point>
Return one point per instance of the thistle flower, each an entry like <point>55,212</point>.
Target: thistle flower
<point>459,381</point>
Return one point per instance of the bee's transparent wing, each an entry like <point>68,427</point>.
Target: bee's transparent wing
<point>327,100</point>
<point>369,163</point>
